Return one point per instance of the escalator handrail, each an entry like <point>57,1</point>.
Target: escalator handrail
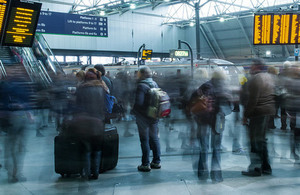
<point>52,54</point>
<point>3,71</point>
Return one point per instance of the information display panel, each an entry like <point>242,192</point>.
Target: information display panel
<point>147,54</point>
<point>21,24</point>
<point>3,13</point>
<point>179,53</point>
<point>72,24</point>
<point>276,29</point>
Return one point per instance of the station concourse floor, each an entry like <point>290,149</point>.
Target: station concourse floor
<point>176,177</point>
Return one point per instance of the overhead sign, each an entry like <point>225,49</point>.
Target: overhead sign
<point>21,24</point>
<point>147,54</point>
<point>276,29</point>
<point>179,53</point>
<point>72,24</point>
<point>3,12</point>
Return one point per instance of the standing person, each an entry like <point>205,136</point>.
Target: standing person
<point>89,119</point>
<point>147,127</point>
<point>106,80</point>
<point>217,96</point>
<point>260,106</point>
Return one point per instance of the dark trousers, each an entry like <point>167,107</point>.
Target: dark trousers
<point>91,163</point>
<point>148,133</point>
<point>259,152</point>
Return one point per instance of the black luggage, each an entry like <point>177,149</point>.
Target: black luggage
<point>110,149</point>
<point>68,155</point>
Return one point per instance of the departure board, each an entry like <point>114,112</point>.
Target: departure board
<point>3,12</point>
<point>21,24</point>
<point>276,29</point>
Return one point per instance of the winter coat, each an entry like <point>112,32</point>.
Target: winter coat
<point>90,99</point>
<point>261,101</point>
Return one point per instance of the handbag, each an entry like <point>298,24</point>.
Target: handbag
<point>199,105</point>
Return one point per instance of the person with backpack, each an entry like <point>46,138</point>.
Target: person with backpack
<point>213,101</point>
<point>147,120</point>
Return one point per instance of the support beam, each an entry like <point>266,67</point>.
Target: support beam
<point>208,42</point>
<point>198,54</point>
<point>57,2</point>
<point>246,36</point>
<point>215,41</point>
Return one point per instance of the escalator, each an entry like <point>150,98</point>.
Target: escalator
<point>20,65</point>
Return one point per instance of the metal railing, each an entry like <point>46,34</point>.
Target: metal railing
<point>2,70</point>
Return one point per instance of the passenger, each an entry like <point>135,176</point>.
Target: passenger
<point>107,81</point>
<point>293,109</point>
<point>274,73</point>
<point>260,106</point>
<point>90,101</point>
<point>147,127</point>
<point>40,53</point>
<point>208,123</point>
<point>80,77</point>
<point>14,109</point>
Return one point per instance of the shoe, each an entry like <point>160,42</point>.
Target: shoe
<point>283,128</point>
<point>267,171</point>
<point>144,168</point>
<point>155,165</point>
<point>93,177</point>
<point>272,127</point>
<point>254,173</point>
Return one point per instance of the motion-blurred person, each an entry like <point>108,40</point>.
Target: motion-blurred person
<point>273,71</point>
<point>147,127</point>
<point>90,101</point>
<point>211,121</point>
<point>292,104</point>
<point>14,107</point>
<point>260,106</point>
<point>107,81</point>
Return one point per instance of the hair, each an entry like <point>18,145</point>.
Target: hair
<point>145,72</point>
<point>273,70</point>
<point>287,64</point>
<point>80,75</point>
<point>100,68</point>
<point>201,73</point>
<point>92,74</point>
<point>259,63</point>
<point>219,74</point>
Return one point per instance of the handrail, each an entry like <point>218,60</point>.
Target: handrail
<point>56,63</point>
<point>2,69</point>
<point>45,71</point>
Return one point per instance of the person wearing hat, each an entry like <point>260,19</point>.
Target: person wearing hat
<point>147,127</point>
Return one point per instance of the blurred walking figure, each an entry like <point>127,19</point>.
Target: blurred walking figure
<point>14,108</point>
<point>259,108</point>
<point>147,126</point>
<point>211,121</point>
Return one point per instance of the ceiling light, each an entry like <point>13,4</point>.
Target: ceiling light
<point>222,19</point>
<point>167,0</point>
<point>102,13</point>
<point>132,6</point>
<point>192,24</point>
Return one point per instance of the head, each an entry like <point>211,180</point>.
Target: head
<point>80,75</point>
<point>219,75</point>
<point>100,68</point>
<point>257,66</point>
<point>92,74</point>
<point>144,72</point>
<point>287,65</point>
<point>273,70</point>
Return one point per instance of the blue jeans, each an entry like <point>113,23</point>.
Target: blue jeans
<point>91,163</point>
<point>204,131</point>
<point>148,133</point>
<point>259,152</point>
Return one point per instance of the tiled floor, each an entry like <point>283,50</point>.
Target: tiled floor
<point>177,175</point>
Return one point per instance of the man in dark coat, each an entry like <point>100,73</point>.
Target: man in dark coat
<point>260,106</point>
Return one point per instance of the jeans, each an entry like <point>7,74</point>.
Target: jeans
<point>204,131</point>
<point>148,133</point>
<point>259,152</point>
<point>91,163</point>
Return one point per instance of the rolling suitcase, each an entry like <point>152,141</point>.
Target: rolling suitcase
<point>67,155</point>
<point>110,149</point>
